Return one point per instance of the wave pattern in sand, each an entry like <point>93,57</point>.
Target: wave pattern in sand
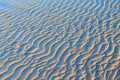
<point>59,39</point>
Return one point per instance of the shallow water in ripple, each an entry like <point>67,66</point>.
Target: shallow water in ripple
<point>59,39</point>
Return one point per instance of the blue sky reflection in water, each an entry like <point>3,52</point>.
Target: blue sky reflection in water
<point>59,39</point>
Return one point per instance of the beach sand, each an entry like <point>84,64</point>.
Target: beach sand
<point>59,39</point>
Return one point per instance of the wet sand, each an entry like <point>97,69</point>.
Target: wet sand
<point>59,39</point>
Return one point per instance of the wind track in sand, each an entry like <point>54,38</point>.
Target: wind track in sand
<point>59,39</point>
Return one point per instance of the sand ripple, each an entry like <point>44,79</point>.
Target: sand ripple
<point>59,39</point>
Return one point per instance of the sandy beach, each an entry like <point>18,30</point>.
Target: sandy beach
<point>59,39</point>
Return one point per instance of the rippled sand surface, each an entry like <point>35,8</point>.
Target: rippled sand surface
<point>59,39</point>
